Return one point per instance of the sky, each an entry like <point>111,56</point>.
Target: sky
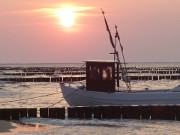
<point>32,31</point>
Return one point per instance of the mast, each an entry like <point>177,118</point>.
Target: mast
<point>125,78</point>
<point>116,55</point>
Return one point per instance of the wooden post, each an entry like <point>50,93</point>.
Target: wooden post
<point>23,112</point>
<point>163,112</point>
<point>178,113</point>
<point>44,112</point>
<point>72,112</point>
<point>32,112</point>
<point>97,112</point>
<point>14,114</point>
<point>52,112</point>
<point>145,112</point>
<point>6,114</point>
<point>131,112</point>
<point>61,113</point>
<point>111,112</point>
<point>88,112</point>
<point>1,114</point>
<point>80,112</point>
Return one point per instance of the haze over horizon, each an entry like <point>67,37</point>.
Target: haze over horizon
<point>74,31</point>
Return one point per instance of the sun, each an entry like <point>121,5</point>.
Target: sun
<point>66,17</point>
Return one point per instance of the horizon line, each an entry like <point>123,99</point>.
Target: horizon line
<point>80,62</point>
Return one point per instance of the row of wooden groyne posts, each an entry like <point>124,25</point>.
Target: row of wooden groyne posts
<point>96,112</point>
<point>78,74</point>
<point>79,78</point>
<point>70,70</point>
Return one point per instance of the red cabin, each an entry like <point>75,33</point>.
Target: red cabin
<point>100,76</point>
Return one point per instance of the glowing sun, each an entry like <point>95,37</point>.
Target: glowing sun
<point>66,17</point>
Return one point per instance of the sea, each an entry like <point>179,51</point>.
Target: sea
<point>33,94</point>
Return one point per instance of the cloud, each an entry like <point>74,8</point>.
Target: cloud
<point>51,12</point>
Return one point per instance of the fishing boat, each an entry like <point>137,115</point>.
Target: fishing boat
<point>102,85</point>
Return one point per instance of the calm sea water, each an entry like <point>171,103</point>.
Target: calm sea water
<point>133,64</point>
<point>10,91</point>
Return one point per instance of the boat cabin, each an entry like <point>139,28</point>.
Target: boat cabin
<point>100,76</point>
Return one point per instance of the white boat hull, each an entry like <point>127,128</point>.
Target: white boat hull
<point>80,97</point>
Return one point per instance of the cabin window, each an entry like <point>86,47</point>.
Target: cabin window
<point>100,76</point>
<point>94,73</point>
<point>107,73</point>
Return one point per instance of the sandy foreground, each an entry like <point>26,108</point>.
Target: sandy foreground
<point>6,126</point>
<point>10,128</point>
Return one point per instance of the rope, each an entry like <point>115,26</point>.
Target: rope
<point>62,99</point>
<point>56,103</point>
<point>71,93</point>
<point>29,98</point>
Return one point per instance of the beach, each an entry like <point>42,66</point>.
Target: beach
<point>6,126</point>
<point>15,127</point>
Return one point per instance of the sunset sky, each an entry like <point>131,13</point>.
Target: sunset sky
<point>64,31</point>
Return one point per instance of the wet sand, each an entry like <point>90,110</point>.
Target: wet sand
<point>10,128</point>
<point>6,126</point>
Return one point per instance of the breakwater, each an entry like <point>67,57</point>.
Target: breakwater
<point>97,112</point>
<point>58,74</point>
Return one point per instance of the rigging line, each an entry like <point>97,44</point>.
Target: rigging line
<point>62,98</point>
<point>117,36</point>
<point>126,73</point>
<point>55,103</point>
<point>30,98</point>
<point>57,90</point>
